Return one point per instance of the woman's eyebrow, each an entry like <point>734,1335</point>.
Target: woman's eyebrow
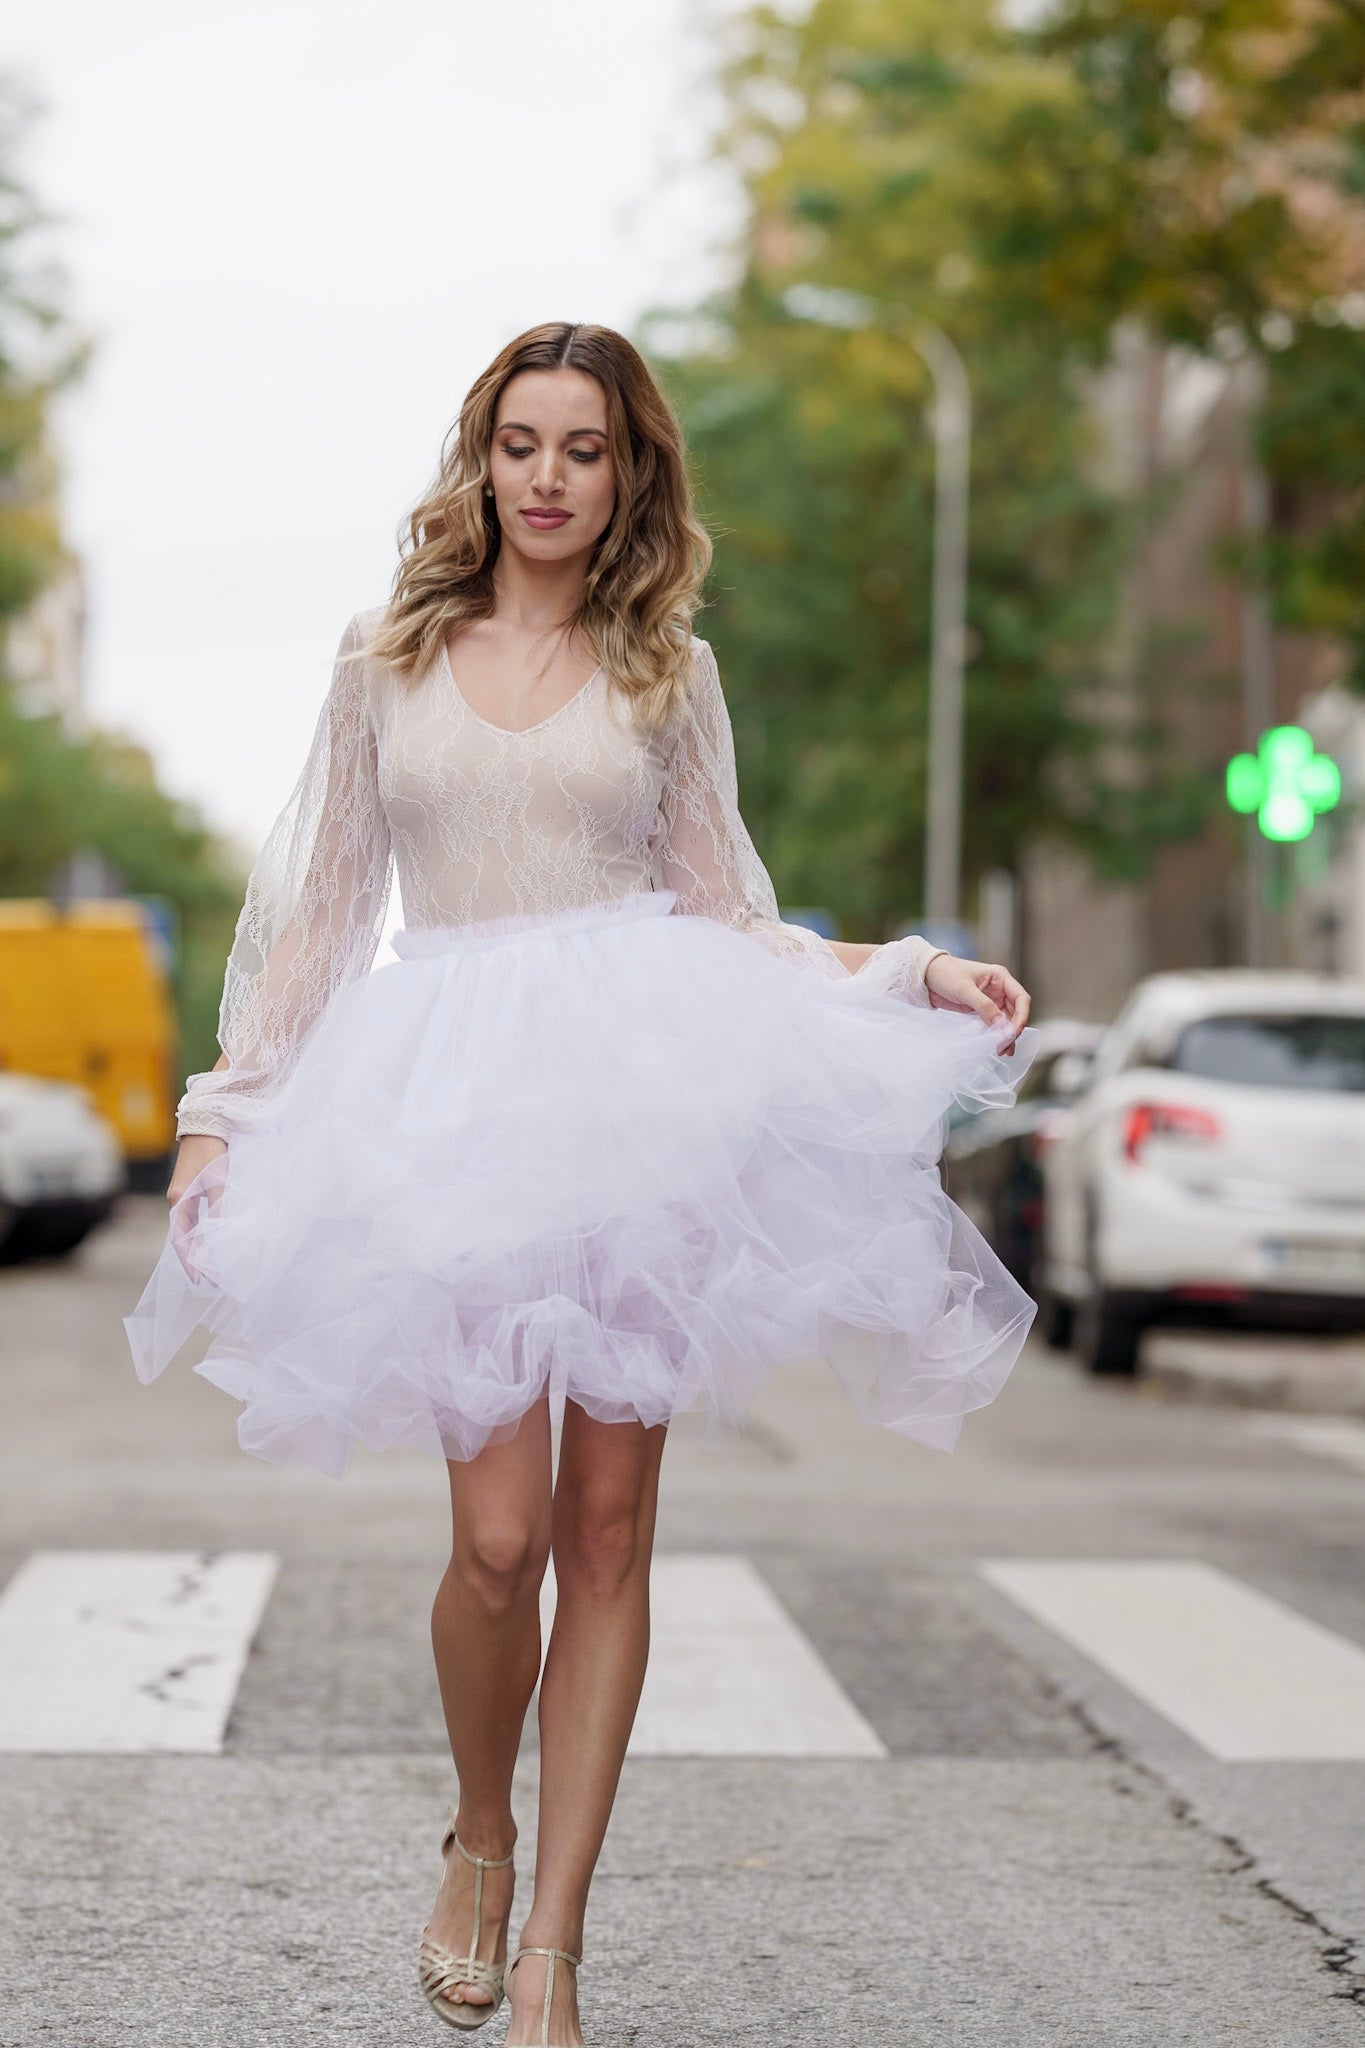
<point>522,428</point>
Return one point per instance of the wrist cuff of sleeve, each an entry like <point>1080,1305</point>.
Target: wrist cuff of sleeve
<point>924,972</point>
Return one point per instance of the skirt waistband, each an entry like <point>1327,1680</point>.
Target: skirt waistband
<point>419,942</point>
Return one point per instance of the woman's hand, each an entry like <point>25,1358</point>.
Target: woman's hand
<point>991,991</point>
<point>194,1155</point>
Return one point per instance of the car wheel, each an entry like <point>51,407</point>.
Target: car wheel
<point>61,1242</point>
<point>1106,1336</point>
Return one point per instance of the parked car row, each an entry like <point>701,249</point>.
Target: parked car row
<point>1200,1161</point>
<point>61,1168</point>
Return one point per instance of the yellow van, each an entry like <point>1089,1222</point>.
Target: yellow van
<point>84,997</point>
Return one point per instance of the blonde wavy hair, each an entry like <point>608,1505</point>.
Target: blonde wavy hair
<point>643,585</point>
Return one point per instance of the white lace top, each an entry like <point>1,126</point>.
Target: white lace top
<point>482,822</point>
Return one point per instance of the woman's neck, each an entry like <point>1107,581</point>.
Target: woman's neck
<point>531,597</point>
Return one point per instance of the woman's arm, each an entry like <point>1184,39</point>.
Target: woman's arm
<point>313,913</point>
<point>707,856</point>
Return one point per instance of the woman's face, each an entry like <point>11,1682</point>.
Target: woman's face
<point>550,466</point>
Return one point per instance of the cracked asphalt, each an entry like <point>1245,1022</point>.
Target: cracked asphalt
<point>1039,1857</point>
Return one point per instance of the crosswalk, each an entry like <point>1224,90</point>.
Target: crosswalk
<point>127,1651</point>
<point>142,1653</point>
<point>1249,1679</point>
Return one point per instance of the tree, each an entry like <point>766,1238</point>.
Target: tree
<point>61,793</point>
<point>1232,216</point>
<point>871,136</point>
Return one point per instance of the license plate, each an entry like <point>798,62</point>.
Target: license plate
<point>1313,1259</point>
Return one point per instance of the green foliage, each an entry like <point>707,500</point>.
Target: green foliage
<point>63,793</point>
<point>921,173</point>
<point>38,356</point>
<point>1241,133</point>
<point>1194,171</point>
<point>1313,442</point>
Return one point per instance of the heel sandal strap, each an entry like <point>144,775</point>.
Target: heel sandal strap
<point>564,1955</point>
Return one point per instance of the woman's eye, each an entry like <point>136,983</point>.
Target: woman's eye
<point>517,450</point>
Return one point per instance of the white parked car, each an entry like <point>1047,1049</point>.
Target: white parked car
<point>1212,1168</point>
<point>61,1168</point>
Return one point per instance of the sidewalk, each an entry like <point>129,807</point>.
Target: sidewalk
<point>1307,1375</point>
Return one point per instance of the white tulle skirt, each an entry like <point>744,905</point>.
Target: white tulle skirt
<point>622,1157</point>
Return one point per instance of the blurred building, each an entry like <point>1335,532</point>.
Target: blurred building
<point>1327,917</point>
<point>1198,652</point>
<point>45,650</point>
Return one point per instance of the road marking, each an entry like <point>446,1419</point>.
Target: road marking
<point>1329,1436</point>
<point>731,1674</point>
<point>1244,1675</point>
<point>125,1652</point>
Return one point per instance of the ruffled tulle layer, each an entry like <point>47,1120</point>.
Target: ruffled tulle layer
<point>627,1158</point>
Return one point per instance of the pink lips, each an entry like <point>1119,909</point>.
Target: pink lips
<point>546,519</point>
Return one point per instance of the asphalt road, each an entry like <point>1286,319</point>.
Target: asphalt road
<point>1053,1740</point>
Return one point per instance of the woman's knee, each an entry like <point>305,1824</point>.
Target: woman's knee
<point>501,1562</point>
<point>601,1543</point>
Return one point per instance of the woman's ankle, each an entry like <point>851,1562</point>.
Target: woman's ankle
<point>552,1930</point>
<point>486,1834</point>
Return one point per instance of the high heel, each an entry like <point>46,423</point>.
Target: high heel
<point>438,1971</point>
<point>563,1955</point>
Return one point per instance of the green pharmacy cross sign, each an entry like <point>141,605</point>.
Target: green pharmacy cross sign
<point>1285,782</point>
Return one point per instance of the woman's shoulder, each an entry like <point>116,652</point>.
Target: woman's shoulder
<point>691,690</point>
<point>704,683</point>
<point>357,676</point>
<point>361,630</point>
<point>362,626</point>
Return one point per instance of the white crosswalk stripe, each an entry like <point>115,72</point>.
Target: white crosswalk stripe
<point>1339,1437</point>
<point>126,1651</point>
<point>1244,1675</point>
<point>731,1674</point>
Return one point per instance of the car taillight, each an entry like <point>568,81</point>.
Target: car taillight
<point>1144,1120</point>
<point>1047,1130</point>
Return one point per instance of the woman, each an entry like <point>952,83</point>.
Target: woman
<point>606,1142</point>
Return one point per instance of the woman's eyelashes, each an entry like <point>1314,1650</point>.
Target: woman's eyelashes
<point>575,454</point>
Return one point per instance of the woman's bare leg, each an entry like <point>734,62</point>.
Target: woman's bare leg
<point>605,1504</point>
<point>485,1631</point>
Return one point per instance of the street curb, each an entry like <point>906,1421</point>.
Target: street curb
<point>1293,1374</point>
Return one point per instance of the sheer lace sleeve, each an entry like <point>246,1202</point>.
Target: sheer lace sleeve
<point>707,856</point>
<point>313,914</point>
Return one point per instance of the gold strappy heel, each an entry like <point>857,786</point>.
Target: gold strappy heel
<point>438,1971</point>
<point>563,1955</point>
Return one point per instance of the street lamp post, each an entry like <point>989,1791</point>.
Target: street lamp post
<point>952,429</point>
<point>952,425</point>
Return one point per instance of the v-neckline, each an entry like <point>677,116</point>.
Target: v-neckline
<point>514,732</point>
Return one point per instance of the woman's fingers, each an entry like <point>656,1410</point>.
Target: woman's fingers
<point>984,987</point>
<point>1015,1004</point>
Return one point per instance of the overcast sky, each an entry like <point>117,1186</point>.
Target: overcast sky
<point>297,231</point>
